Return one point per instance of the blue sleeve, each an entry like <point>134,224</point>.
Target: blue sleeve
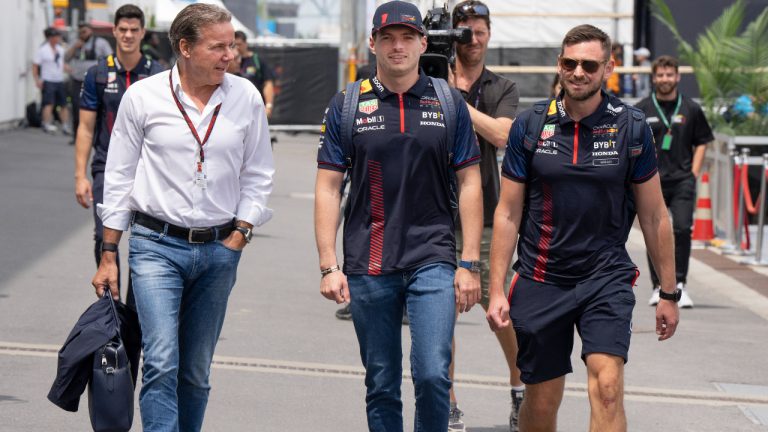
<point>645,166</point>
<point>465,150</point>
<point>515,165</point>
<point>89,95</point>
<point>330,154</point>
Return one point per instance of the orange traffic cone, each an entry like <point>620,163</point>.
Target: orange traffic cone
<point>702,220</point>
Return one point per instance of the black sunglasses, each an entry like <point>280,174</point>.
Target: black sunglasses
<point>470,9</point>
<point>589,66</point>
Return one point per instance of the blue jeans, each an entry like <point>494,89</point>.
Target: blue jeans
<point>181,292</point>
<point>377,308</point>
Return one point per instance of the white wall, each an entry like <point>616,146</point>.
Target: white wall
<point>21,32</point>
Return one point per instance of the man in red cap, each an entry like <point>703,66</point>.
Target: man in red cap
<point>399,242</point>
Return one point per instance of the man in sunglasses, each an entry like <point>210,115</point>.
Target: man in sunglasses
<point>681,133</point>
<point>399,246</point>
<point>570,191</point>
<point>492,103</point>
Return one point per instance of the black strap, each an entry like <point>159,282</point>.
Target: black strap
<point>535,124</point>
<point>351,97</point>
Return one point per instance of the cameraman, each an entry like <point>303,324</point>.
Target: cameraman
<point>492,102</point>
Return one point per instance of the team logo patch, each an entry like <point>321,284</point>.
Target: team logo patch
<point>552,108</point>
<point>635,151</point>
<point>547,132</point>
<point>111,76</point>
<point>409,18</point>
<point>368,107</point>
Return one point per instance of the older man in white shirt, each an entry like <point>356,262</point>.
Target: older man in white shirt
<point>189,171</point>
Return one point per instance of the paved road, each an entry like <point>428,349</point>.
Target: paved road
<point>285,363</point>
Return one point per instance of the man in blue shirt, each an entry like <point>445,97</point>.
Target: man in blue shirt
<point>399,244</point>
<point>103,87</point>
<point>570,192</point>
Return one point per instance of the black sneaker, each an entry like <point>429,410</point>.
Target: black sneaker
<point>514,414</point>
<point>344,313</point>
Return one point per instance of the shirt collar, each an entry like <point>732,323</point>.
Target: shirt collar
<point>417,89</point>
<point>218,95</point>
<point>140,66</point>
<point>594,118</point>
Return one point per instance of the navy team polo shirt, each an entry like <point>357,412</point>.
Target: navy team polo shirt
<point>106,108</point>
<point>398,215</point>
<point>578,205</point>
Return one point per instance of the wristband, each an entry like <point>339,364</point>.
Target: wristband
<point>329,270</point>
<point>108,247</point>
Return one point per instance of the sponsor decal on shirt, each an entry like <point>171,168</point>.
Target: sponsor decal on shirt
<point>378,85</point>
<point>429,101</point>
<point>547,132</point>
<point>679,119</point>
<point>561,108</point>
<point>651,120</point>
<point>547,147</point>
<point>614,110</point>
<point>432,115</point>
<point>370,128</point>
<point>607,130</point>
<point>369,120</point>
<point>431,123</point>
<point>111,76</point>
<point>368,107</point>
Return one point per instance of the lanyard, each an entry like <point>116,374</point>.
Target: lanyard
<point>667,121</point>
<point>191,126</point>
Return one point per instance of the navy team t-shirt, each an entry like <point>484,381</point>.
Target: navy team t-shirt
<point>398,215</point>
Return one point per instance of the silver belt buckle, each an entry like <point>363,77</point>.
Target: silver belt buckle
<point>192,231</point>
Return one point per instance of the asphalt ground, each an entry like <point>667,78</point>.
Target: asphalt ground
<point>285,363</point>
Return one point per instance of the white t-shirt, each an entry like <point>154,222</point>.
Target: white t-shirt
<point>51,62</point>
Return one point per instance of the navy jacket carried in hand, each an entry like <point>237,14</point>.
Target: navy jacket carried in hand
<point>95,328</point>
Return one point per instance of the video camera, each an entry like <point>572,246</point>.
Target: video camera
<point>441,35</point>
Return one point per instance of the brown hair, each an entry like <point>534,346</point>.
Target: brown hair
<point>664,62</point>
<point>587,33</point>
<point>191,20</point>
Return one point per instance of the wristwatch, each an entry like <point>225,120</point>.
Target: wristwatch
<point>473,266</point>
<point>673,296</point>
<point>246,232</point>
<point>108,247</point>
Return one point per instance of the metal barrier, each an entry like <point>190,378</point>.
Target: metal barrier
<point>729,215</point>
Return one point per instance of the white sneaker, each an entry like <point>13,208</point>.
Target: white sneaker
<point>66,130</point>
<point>654,297</point>
<point>685,299</point>
<point>50,128</point>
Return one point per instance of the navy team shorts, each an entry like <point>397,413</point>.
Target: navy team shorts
<point>544,316</point>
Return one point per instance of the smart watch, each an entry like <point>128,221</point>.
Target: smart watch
<point>473,266</point>
<point>673,296</point>
<point>246,232</point>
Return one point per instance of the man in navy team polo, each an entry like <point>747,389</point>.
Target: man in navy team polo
<point>103,88</point>
<point>571,196</point>
<point>399,244</point>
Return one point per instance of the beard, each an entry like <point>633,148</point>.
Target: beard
<point>583,94</point>
<point>665,89</point>
<point>469,58</point>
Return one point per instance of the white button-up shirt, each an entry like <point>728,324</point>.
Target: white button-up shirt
<point>153,156</point>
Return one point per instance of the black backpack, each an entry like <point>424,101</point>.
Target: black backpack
<point>443,91</point>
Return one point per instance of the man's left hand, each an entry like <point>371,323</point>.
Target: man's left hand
<point>667,318</point>
<point>235,241</point>
<point>467,287</point>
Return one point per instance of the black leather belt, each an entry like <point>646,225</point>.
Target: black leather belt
<point>192,235</point>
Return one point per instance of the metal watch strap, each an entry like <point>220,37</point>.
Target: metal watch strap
<point>108,247</point>
<point>329,270</point>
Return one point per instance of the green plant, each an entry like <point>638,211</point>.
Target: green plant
<point>729,60</point>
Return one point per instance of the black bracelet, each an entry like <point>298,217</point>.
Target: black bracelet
<point>108,247</point>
